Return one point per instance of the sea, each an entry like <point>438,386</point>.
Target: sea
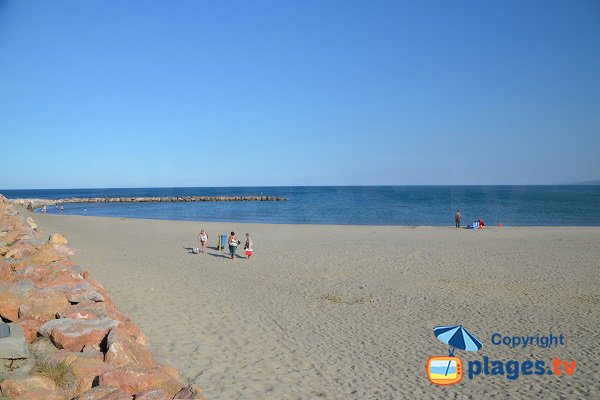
<point>564,205</point>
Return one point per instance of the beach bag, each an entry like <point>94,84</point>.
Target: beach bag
<point>248,252</point>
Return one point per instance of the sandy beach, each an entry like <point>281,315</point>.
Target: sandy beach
<point>347,312</point>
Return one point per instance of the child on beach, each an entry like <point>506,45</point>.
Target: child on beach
<point>233,242</point>
<point>248,246</point>
<point>203,239</point>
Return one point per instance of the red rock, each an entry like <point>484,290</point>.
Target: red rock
<point>104,393</point>
<point>75,334</point>
<point>19,251</point>
<point>15,387</point>
<point>41,255</point>
<point>153,394</point>
<point>9,306</point>
<point>85,310</point>
<point>30,328</point>
<point>42,304</point>
<point>123,350</point>
<point>137,380</point>
<point>86,371</point>
<point>126,323</point>
<point>6,273</point>
<point>70,357</point>
<point>39,394</point>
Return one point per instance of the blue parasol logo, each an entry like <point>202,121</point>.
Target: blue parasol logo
<point>457,337</point>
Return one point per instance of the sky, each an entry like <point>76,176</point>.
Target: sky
<point>239,93</point>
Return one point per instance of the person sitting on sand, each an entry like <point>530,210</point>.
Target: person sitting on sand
<point>203,239</point>
<point>233,242</point>
<point>248,246</point>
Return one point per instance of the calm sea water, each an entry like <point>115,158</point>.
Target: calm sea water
<point>355,205</point>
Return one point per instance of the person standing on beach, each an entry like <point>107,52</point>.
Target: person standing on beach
<point>457,218</point>
<point>233,242</point>
<point>248,246</point>
<point>203,239</point>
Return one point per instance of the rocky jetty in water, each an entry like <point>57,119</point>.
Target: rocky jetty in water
<point>32,204</point>
<point>62,337</point>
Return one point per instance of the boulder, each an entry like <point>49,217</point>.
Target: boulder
<point>32,223</point>
<point>153,394</point>
<point>75,334</point>
<point>82,292</point>
<point>64,249</point>
<point>9,306</point>
<point>45,394</point>
<point>57,238</point>
<point>30,328</point>
<point>72,357</point>
<point>42,304</point>
<point>138,380</point>
<point>87,371</point>
<point>192,392</point>
<point>87,309</point>
<point>16,387</point>
<point>104,393</point>
<point>6,273</point>
<point>123,350</point>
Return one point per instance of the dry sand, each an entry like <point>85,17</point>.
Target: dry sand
<point>347,312</point>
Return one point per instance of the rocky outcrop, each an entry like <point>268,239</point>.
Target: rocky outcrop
<point>32,204</point>
<point>70,321</point>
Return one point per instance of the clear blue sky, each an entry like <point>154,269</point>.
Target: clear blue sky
<point>223,93</point>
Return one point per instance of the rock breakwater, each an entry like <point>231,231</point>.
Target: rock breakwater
<point>32,204</point>
<point>80,345</point>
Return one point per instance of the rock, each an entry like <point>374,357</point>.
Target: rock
<point>87,309</point>
<point>42,304</point>
<point>6,273</point>
<point>32,223</point>
<point>192,392</point>
<point>13,347</point>
<point>39,394</point>
<point>87,371</point>
<point>138,380</point>
<point>30,328</point>
<point>27,254</point>
<point>57,238</point>
<point>75,334</point>
<point>9,306</point>
<point>123,350</point>
<point>64,249</point>
<point>92,348</point>
<point>153,394</point>
<point>16,387</point>
<point>83,292</point>
<point>72,357</point>
<point>104,393</point>
<point>19,251</point>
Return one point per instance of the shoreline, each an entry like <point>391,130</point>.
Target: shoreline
<point>488,227</point>
<point>345,311</point>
